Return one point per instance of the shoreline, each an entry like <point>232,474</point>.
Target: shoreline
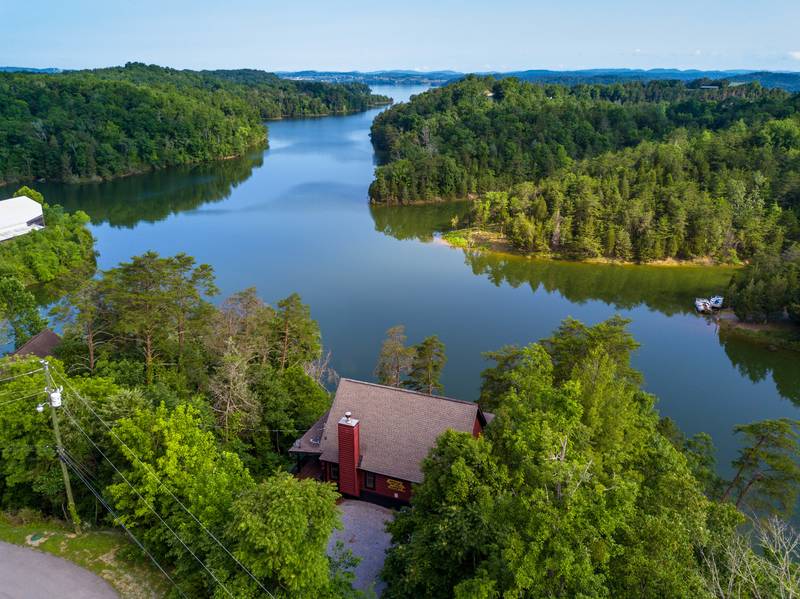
<point>133,173</point>
<point>487,241</point>
<point>264,144</point>
<point>775,336</point>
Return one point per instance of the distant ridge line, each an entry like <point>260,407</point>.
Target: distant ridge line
<point>788,80</point>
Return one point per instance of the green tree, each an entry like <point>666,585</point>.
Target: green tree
<point>272,527</point>
<point>153,301</point>
<point>426,366</point>
<point>572,491</point>
<point>31,193</point>
<point>767,470</point>
<point>394,359</point>
<point>84,311</point>
<point>281,529</point>
<point>296,334</point>
<point>18,311</point>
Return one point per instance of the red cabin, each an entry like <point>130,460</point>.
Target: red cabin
<point>374,438</point>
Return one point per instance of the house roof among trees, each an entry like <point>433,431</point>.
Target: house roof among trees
<point>16,216</point>
<point>42,344</point>
<point>398,427</point>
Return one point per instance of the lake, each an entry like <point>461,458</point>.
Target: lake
<point>296,217</point>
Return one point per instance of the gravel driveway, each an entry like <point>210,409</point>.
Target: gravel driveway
<point>365,536</point>
<point>30,574</point>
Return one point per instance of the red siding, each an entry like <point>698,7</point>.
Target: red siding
<point>477,429</point>
<point>394,488</point>
<point>348,459</point>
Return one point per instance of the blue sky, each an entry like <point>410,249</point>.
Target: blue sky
<point>462,35</point>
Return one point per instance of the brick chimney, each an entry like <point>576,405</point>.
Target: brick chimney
<point>349,452</point>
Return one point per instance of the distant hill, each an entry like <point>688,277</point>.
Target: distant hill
<point>376,77</point>
<point>789,81</point>
<point>28,70</point>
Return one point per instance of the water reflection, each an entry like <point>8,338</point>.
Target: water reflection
<point>418,222</point>
<point>152,197</point>
<point>759,363</point>
<point>669,290</point>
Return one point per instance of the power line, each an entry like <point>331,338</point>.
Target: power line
<point>149,469</point>
<point>68,460</point>
<point>149,506</point>
<point>5,403</point>
<point>16,376</point>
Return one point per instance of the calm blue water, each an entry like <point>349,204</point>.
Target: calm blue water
<point>296,218</point>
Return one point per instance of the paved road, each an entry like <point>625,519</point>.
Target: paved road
<point>29,574</point>
<point>365,536</point>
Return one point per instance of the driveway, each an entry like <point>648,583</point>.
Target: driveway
<point>30,574</point>
<point>364,535</point>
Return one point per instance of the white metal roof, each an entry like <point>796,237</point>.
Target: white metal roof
<point>15,214</point>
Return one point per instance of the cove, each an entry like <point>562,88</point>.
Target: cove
<point>296,218</point>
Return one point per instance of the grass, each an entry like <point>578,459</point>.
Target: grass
<point>456,239</point>
<point>107,553</point>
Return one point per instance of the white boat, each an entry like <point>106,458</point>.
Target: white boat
<point>716,302</point>
<point>703,305</point>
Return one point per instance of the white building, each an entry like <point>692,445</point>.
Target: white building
<point>19,216</point>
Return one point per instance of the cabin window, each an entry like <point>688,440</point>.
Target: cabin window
<point>334,471</point>
<point>369,480</point>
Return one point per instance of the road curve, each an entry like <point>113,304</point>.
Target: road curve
<point>29,574</point>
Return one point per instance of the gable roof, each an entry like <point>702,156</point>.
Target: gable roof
<point>42,344</point>
<point>397,427</point>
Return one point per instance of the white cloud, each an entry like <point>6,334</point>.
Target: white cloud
<point>795,55</point>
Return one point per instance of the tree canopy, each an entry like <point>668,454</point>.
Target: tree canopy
<point>105,123</point>
<point>572,491</point>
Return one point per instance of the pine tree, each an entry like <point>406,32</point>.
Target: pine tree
<point>426,366</point>
<point>394,360</point>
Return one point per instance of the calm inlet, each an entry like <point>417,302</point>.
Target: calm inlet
<point>296,218</point>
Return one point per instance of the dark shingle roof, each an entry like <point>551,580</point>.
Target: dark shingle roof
<point>398,427</point>
<point>42,344</point>
<point>310,442</point>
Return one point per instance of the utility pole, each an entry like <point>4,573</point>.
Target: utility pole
<point>54,398</point>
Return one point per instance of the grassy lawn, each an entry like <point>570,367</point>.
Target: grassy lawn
<point>107,553</point>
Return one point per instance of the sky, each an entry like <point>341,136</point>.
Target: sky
<point>462,35</point>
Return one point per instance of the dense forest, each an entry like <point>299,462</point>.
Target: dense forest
<point>105,123</point>
<point>481,135</point>
<point>729,195</point>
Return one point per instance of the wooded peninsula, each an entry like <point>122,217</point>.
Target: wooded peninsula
<point>631,172</point>
<point>106,123</point>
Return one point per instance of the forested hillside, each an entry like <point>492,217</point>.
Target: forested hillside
<point>106,123</point>
<point>729,195</point>
<point>481,134</point>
